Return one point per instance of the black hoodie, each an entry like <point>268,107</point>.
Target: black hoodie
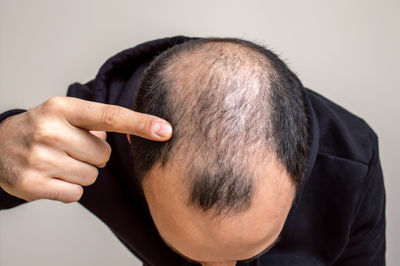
<point>337,218</point>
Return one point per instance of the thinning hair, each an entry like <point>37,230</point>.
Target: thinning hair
<point>232,104</point>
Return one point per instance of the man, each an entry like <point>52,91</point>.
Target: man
<point>259,170</point>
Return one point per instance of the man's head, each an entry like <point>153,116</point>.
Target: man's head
<point>221,188</point>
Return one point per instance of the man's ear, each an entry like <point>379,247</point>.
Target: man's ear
<point>129,138</point>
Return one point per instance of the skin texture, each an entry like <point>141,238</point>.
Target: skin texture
<point>218,240</point>
<point>47,152</point>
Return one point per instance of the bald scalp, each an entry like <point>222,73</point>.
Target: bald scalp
<point>219,95</point>
<point>216,93</point>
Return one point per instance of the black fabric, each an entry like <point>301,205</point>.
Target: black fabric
<point>337,218</point>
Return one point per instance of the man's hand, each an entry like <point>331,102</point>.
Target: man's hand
<point>52,150</point>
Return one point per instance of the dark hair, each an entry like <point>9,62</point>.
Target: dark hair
<point>231,103</point>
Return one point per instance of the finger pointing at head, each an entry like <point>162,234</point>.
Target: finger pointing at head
<point>103,117</point>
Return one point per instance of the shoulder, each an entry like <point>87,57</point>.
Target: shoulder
<point>341,133</point>
<point>342,201</point>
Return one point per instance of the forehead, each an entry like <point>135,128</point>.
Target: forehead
<point>205,237</point>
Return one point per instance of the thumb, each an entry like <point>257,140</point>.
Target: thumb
<point>100,134</point>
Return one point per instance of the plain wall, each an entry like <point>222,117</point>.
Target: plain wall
<point>346,50</point>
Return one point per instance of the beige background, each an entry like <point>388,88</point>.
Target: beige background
<point>346,50</point>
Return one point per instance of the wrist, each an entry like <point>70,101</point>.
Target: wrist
<point>10,113</point>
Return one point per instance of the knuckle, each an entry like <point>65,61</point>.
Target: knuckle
<point>99,134</point>
<point>109,116</point>
<point>45,110</point>
<point>91,176</point>
<point>106,153</point>
<point>55,195</point>
<point>35,156</point>
<point>43,131</point>
<point>54,103</point>
<point>142,127</point>
<point>72,195</point>
<point>78,194</point>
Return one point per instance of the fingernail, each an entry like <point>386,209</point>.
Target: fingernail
<point>162,130</point>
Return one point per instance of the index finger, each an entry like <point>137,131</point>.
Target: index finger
<point>105,117</point>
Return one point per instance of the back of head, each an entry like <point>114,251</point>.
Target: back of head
<point>233,105</point>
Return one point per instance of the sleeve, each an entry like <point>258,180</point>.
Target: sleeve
<point>8,201</point>
<point>367,241</point>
